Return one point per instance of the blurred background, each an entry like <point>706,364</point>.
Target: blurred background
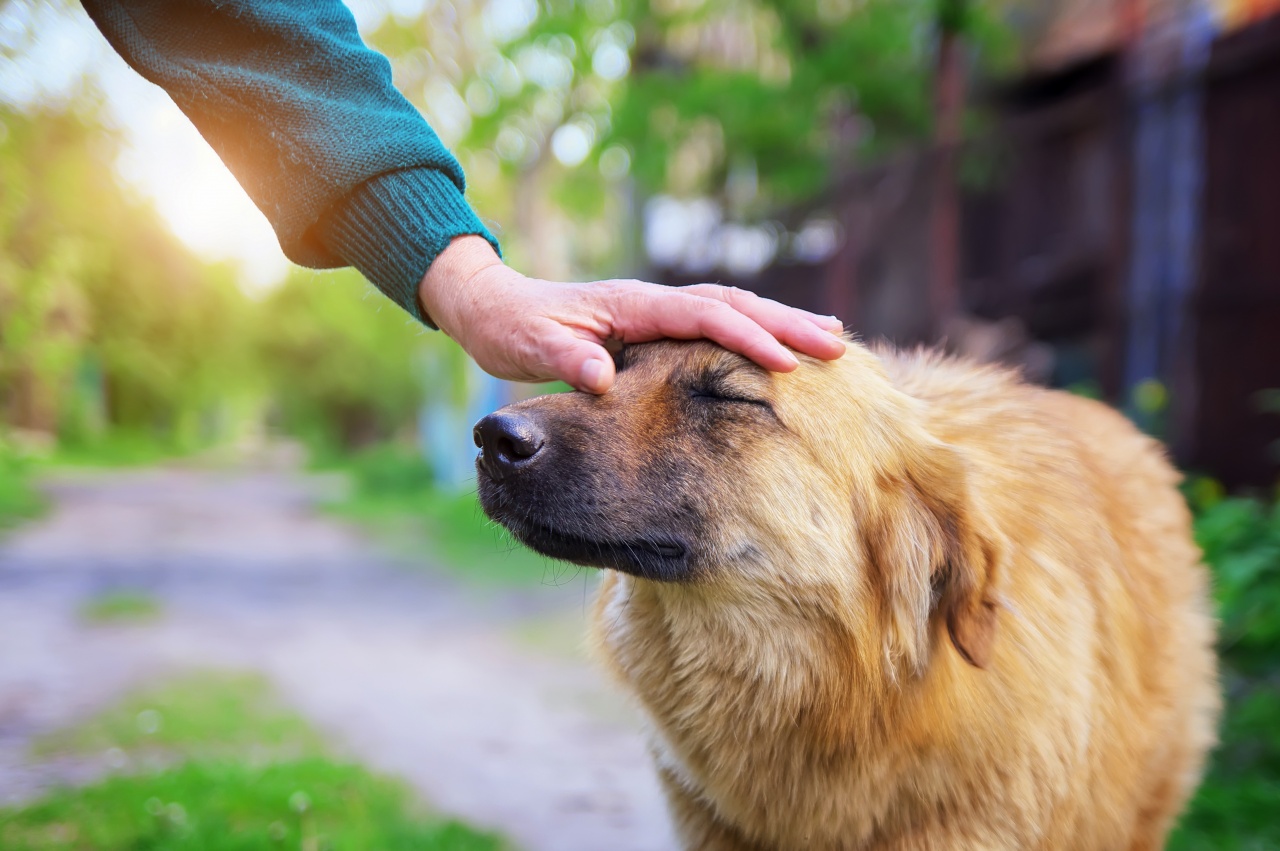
<point>245,589</point>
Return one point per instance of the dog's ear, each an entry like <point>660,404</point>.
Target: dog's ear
<point>935,558</point>
<point>963,577</point>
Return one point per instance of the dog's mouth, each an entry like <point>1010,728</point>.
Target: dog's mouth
<point>660,557</point>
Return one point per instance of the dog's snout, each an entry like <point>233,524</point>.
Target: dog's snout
<point>507,441</point>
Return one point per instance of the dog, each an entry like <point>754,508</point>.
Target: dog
<point>893,601</point>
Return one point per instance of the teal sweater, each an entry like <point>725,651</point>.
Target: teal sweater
<point>306,117</point>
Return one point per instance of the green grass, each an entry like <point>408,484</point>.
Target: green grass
<point>114,449</point>
<point>242,774</point>
<point>19,499</point>
<point>209,713</point>
<point>120,607</point>
<point>392,495</point>
<point>309,803</point>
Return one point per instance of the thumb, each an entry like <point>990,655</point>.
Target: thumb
<point>582,363</point>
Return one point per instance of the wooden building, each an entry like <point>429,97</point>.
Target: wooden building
<point>1127,214</point>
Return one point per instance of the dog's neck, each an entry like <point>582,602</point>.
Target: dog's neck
<point>673,642</point>
<point>738,690</point>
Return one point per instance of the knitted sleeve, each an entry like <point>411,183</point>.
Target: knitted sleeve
<point>306,117</point>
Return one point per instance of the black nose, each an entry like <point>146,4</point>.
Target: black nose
<point>507,442</point>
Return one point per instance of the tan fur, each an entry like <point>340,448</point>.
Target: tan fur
<point>972,618</point>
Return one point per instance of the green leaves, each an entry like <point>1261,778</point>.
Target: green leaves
<point>1241,539</point>
<point>342,364</point>
<point>797,90</point>
<point>1235,807</point>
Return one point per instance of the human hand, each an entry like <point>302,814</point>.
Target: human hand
<point>526,329</point>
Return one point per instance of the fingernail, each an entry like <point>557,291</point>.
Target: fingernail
<point>593,376</point>
<point>791,359</point>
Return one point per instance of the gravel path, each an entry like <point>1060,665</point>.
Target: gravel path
<point>404,670</point>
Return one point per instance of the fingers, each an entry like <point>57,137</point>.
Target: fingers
<point>740,299</point>
<point>653,312</point>
<point>803,331</point>
<point>529,330</point>
<point>830,324</point>
<point>573,360</point>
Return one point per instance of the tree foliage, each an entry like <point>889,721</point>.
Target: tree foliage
<point>110,326</point>
<point>344,366</point>
<point>100,306</point>
<point>759,98</point>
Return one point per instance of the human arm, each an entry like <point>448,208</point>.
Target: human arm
<point>348,173</point>
<point>306,117</point>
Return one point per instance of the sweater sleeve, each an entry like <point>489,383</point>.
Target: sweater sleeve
<point>306,117</point>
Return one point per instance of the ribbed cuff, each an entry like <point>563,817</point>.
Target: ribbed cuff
<point>393,227</point>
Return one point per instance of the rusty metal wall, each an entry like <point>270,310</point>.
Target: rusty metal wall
<point>1045,242</point>
<point>1048,238</point>
<point>1236,305</point>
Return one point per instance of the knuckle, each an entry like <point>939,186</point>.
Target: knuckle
<point>711,291</point>
<point>610,289</point>
<point>633,292</point>
<point>630,285</point>
<point>714,307</point>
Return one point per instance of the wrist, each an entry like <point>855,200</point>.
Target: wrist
<point>448,277</point>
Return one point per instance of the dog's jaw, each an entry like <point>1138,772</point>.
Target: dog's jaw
<point>656,556</point>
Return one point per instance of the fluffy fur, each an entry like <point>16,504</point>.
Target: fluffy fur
<point>924,606</point>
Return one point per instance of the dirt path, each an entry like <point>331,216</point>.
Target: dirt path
<point>405,671</point>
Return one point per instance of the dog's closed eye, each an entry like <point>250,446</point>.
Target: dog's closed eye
<point>730,384</point>
<point>713,394</point>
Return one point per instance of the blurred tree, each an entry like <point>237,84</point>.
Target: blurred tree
<point>345,368</point>
<point>91,282</point>
<point>754,103</point>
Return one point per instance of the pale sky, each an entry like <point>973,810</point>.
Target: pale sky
<point>164,157</point>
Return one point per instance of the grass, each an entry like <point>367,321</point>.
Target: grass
<point>242,774</point>
<point>210,713</point>
<point>309,803</point>
<point>393,496</point>
<point>120,607</point>
<point>19,499</point>
<point>114,449</point>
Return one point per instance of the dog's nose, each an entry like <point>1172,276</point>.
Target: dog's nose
<point>507,441</point>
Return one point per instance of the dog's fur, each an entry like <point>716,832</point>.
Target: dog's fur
<point>893,601</point>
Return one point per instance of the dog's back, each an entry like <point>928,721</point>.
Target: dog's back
<point>1106,599</point>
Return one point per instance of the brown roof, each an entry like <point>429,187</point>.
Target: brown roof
<point>1062,32</point>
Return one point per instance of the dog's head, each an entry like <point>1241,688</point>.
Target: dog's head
<point>816,488</point>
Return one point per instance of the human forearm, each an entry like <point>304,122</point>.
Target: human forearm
<point>306,116</point>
